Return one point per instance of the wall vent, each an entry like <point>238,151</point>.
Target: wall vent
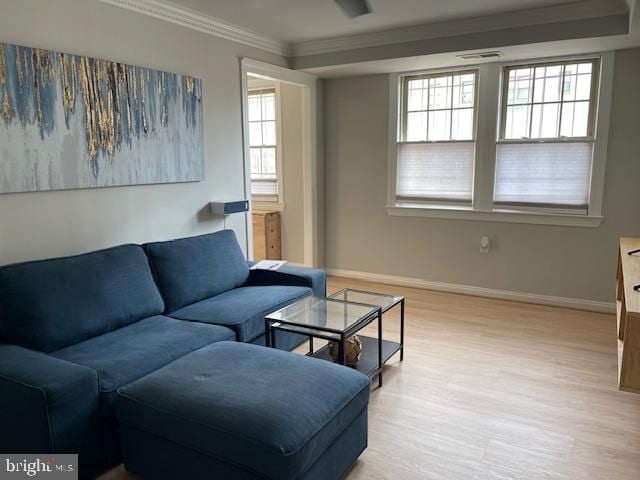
<point>471,56</point>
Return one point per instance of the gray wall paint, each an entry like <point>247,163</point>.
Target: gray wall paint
<point>37,225</point>
<point>293,214</point>
<point>548,260</point>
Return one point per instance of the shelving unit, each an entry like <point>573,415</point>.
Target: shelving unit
<point>628,315</point>
<point>368,363</point>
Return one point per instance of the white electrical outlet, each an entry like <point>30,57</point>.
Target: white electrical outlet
<point>485,245</point>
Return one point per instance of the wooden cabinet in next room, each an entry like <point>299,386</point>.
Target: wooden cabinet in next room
<point>266,235</point>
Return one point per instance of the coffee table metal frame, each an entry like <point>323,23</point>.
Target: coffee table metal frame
<point>385,348</point>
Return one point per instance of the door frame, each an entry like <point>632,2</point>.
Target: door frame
<point>310,124</point>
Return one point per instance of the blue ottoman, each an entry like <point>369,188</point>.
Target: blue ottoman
<point>240,411</point>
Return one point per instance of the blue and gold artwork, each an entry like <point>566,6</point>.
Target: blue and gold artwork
<point>68,121</point>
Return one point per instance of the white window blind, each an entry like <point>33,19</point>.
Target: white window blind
<point>435,170</point>
<point>545,174</point>
<point>436,145</point>
<point>264,187</point>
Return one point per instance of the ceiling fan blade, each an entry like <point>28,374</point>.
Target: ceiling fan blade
<point>354,8</point>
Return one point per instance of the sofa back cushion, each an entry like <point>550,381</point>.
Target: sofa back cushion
<point>50,304</point>
<point>191,269</point>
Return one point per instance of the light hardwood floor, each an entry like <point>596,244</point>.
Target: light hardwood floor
<point>492,389</point>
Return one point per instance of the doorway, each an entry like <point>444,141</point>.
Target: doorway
<point>280,161</point>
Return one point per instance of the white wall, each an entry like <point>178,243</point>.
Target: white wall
<point>546,260</point>
<point>44,224</point>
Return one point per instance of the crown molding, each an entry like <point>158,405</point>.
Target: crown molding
<point>186,17</point>
<point>580,10</point>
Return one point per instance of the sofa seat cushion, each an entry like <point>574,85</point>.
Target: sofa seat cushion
<point>242,309</point>
<point>270,412</point>
<point>50,304</point>
<point>191,269</point>
<point>131,352</point>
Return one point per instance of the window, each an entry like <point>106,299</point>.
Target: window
<point>263,144</point>
<point>546,142</point>
<point>522,142</point>
<point>436,147</point>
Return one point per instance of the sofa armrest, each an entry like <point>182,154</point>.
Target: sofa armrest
<point>45,402</point>
<point>289,275</point>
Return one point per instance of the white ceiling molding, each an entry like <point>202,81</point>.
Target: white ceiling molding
<point>186,17</point>
<point>536,16</point>
<point>203,23</point>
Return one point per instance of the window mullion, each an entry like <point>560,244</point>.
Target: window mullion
<point>562,71</point>
<point>451,111</point>
<point>533,93</point>
<point>428,105</point>
<point>404,118</point>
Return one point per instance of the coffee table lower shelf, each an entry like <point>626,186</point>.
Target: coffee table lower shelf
<point>368,363</point>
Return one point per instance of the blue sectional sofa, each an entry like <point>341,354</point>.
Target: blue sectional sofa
<point>75,330</point>
<point>206,279</point>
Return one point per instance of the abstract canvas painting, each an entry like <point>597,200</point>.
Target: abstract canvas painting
<point>68,122</point>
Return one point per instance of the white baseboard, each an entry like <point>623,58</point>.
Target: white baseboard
<point>575,303</point>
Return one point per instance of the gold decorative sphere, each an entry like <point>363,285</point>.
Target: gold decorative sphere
<point>352,347</point>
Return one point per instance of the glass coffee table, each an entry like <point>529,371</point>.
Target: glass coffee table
<point>337,318</point>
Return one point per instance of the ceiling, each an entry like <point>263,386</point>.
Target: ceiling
<point>405,35</point>
<point>304,20</point>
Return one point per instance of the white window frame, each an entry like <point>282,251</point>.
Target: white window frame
<point>403,115</point>
<point>272,202</point>
<point>489,104</point>
<point>593,102</point>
